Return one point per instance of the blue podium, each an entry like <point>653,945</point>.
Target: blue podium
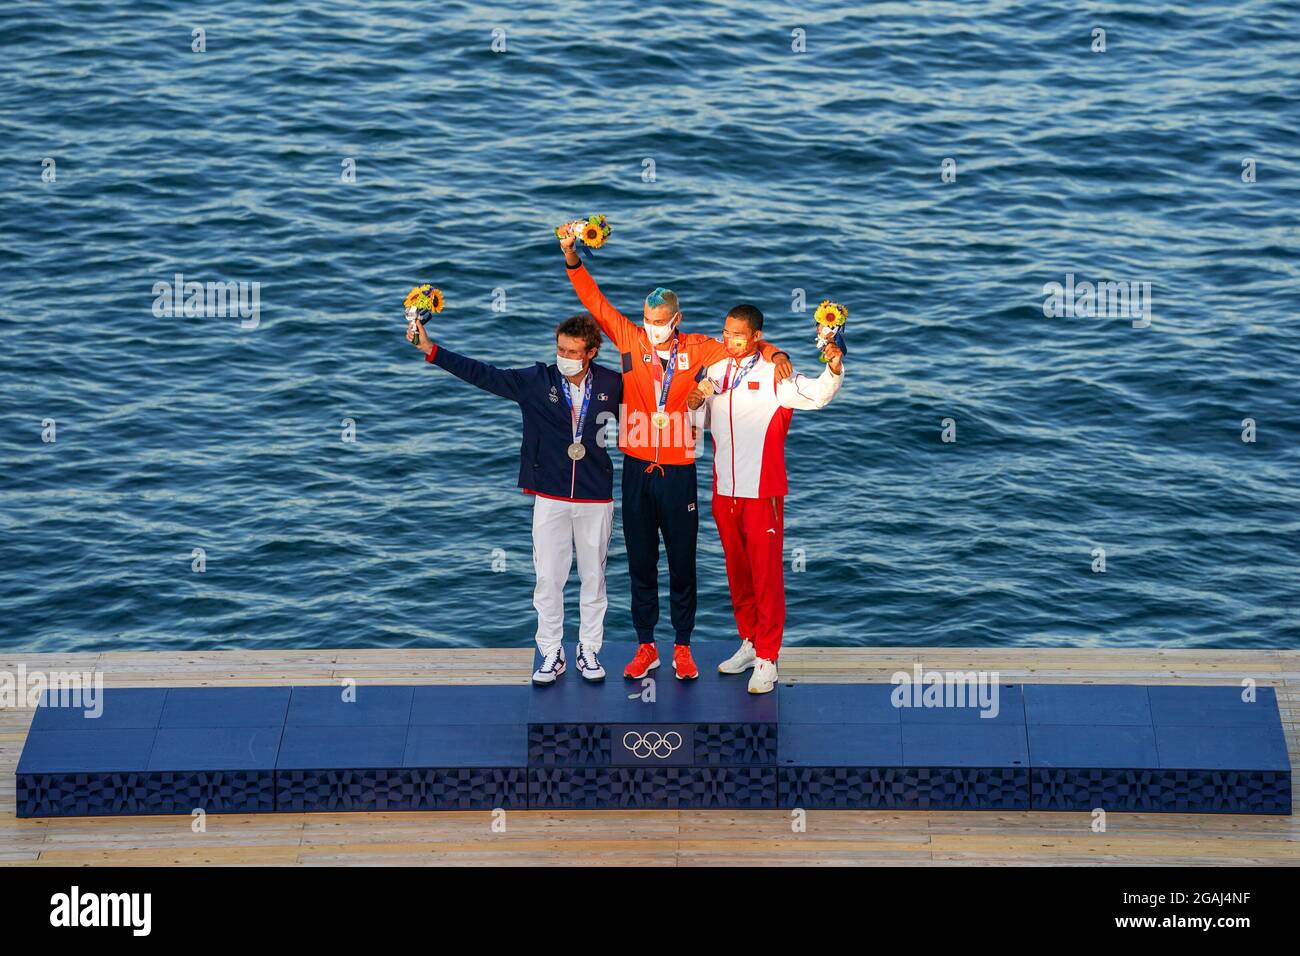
<point>848,746</point>
<point>702,743</point>
<point>656,745</point>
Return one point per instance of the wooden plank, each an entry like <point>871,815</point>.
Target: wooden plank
<point>172,856</point>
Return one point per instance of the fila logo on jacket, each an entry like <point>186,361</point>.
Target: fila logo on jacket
<point>749,424</point>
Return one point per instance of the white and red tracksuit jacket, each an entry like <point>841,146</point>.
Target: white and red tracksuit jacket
<point>749,423</point>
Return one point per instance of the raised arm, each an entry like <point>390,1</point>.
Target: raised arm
<point>810,394</point>
<point>505,382</point>
<point>621,331</point>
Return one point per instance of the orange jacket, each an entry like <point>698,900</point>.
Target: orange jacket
<point>638,435</point>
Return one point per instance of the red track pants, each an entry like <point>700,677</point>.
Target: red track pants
<point>752,532</point>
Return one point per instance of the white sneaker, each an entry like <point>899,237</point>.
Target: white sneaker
<point>589,664</point>
<point>740,661</point>
<point>552,667</point>
<point>763,680</point>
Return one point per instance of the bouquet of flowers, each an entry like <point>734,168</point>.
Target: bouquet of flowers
<point>831,317</point>
<point>422,303</point>
<point>591,232</point>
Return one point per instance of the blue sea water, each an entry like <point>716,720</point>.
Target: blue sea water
<point>774,170</point>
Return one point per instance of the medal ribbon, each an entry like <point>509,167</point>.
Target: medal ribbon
<point>668,374</point>
<point>586,401</point>
<point>742,372</point>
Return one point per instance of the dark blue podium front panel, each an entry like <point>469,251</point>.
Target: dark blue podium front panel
<point>110,771</point>
<point>841,745</point>
<point>315,791</point>
<point>1220,706</point>
<point>225,707</point>
<point>1157,748</point>
<point>658,743</point>
<point>1004,707</point>
<point>1087,705</point>
<point>119,708</point>
<point>475,704</point>
<point>1222,748</point>
<point>360,706</point>
<point>466,745</point>
<point>604,745</point>
<point>448,747</point>
<point>215,748</point>
<point>86,751</point>
<point>905,788</point>
<point>956,745</point>
<point>917,767</point>
<point>649,788</point>
<point>666,744</point>
<point>1063,745</point>
<point>216,769</point>
<point>838,704</point>
<point>878,746</point>
<point>340,748</point>
<point>335,766</point>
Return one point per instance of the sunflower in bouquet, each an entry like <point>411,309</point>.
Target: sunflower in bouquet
<point>591,232</point>
<point>421,304</point>
<point>425,300</point>
<point>830,317</point>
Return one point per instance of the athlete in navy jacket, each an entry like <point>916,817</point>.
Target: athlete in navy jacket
<point>563,463</point>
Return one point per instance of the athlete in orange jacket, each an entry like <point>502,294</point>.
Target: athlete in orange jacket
<point>660,366</point>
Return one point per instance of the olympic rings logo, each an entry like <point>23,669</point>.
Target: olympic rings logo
<point>652,743</point>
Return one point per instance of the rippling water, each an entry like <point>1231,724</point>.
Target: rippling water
<point>773,171</point>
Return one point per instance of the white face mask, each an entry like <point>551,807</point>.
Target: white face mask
<point>658,333</point>
<point>568,366</point>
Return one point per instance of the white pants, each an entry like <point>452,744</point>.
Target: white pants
<point>557,526</point>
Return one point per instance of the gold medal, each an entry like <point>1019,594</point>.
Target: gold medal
<point>577,451</point>
<point>660,419</point>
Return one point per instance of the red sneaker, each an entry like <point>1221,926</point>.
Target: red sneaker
<point>683,663</point>
<point>646,660</point>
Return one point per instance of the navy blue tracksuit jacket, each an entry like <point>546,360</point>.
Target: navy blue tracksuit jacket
<point>545,467</point>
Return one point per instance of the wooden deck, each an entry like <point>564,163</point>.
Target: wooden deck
<point>671,838</point>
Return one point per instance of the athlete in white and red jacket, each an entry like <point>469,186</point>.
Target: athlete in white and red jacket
<point>749,415</point>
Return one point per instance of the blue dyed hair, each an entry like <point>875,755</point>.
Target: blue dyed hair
<point>662,296</point>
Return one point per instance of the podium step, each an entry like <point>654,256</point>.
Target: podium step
<point>1050,747</point>
<point>658,744</point>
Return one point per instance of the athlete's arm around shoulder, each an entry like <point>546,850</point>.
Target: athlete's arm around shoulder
<point>809,394</point>
<point>611,381</point>
<point>709,350</point>
<point>612,322</point>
